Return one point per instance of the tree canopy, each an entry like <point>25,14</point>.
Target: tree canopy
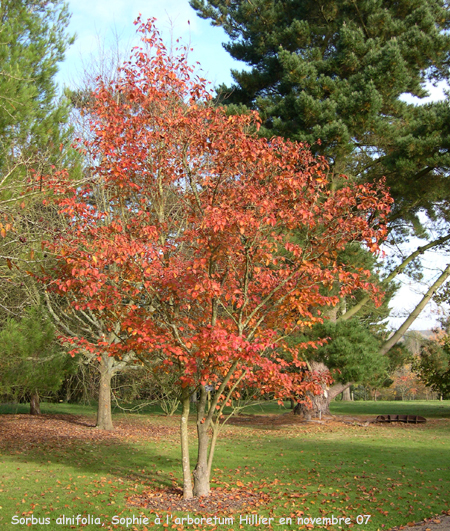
<point>32,362</point>
<point>33,127</point>
<point>337,75</point>
<point>33,40</point>
<point>336,72</point>
<point>433,365</point>
<point>174,241</point>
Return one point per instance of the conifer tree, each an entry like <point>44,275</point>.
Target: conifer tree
<point>31,362</point>
<point>334,74</point>
<point>33,40</point>
<point>33,129</point>
<point>335,71</point>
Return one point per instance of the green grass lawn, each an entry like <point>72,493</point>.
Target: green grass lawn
<point>427,409</point>
<point>394,473</point>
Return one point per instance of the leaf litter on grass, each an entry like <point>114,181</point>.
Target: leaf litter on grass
<point>290,470</point>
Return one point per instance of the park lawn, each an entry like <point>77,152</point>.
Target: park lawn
<point>424,408</point>
<point>395,473</point>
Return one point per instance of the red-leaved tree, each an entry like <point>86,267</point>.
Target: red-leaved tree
<point>179,241</point>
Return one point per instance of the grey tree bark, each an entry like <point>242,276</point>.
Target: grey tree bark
<point>415,313</point>
<point>321,403</point>
<point>201,471</point>
<point>185,462</point>
<point>346,395</point>
<point>104,418</point>
<point>35,406</point>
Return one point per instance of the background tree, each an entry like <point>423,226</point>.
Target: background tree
<point>32,362</point>
<point>33,138</point>
<point>352,348</point>
<point>405,383</point>
<point>432,366</point>
<point>33,40</point>
<point>174,243</point>
<point>351,353</point>
<point>334,74</point>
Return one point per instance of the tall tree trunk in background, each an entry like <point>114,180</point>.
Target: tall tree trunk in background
<point>346,395</point>
<point>398,334</point>
<point>321,403</point>
<point>104,418</point>
<point>35,407</point>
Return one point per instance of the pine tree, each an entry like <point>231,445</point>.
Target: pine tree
<point>33,125</point>
<point>333,74</point>
<point>33,40</point>
<point>335,71</point>
<point>31,362</point>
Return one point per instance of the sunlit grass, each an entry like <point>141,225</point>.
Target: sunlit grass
<point>395,473</point>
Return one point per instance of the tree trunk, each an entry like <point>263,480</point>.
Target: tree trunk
<point>321,403</point>
<point>201,471</point>
<point>399,269</point>
<point>186,466</point>
<point>104,418</point>
<point>346,395</point>
<point>205,422</point>
<point>332,393</point>
<point>35,407</point>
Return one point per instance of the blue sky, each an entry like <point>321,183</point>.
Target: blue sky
<point>98,21</point>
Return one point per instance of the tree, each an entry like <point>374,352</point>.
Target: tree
<point>432,366</point>
<point>335,72</point>
<point>352,351</point>
<point>178,245</point>
<point>32,362</point>
<point>81,325</point>
<point>405,383</point>
<point>33,138</point>
<point>33,40</point>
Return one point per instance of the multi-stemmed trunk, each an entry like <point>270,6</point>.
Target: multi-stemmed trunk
<point>202,470</point>
<point>208,415</point>
<point>205,451</point>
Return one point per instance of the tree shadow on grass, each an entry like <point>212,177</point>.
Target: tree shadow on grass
<point>73,441</point>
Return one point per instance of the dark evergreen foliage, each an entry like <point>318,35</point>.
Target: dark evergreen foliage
<point>33,40</point>
<point>31,361</point>
<point>335,71</point>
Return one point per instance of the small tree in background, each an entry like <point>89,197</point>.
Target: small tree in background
<point>432,366</point>
<point>32,363</point>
